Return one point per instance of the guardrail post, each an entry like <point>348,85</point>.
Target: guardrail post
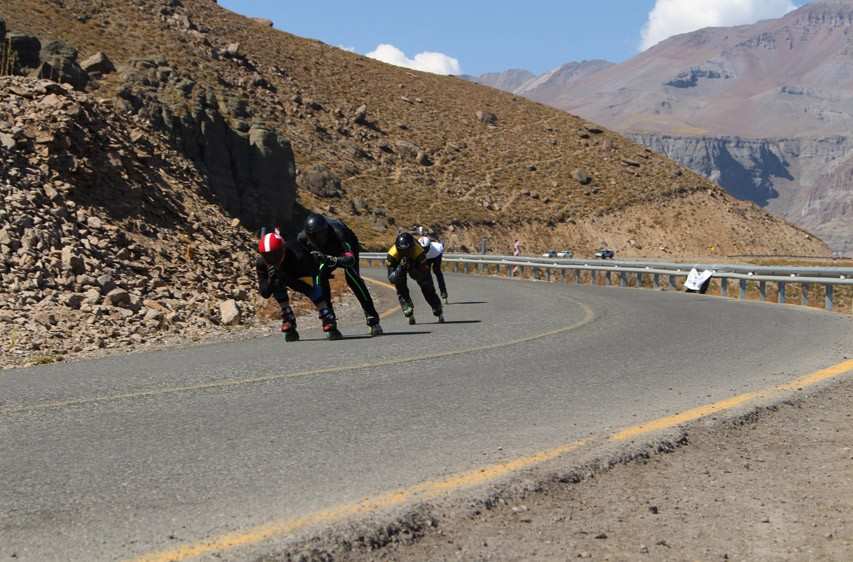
<point>608,277</point>
<point>562,275</point>
<point>673,283</point>
<point>724,287</point>
<point>479,267</point>
<point>548,274</point>
<point>781,298</point>
<point>623,279</point>
<point>804,296</point>
<point>762,291</point>
<point>509,269</point>
<point>828,298</point>
<point>657,280</point>
<point>577,276</point>
<point>742,291</point>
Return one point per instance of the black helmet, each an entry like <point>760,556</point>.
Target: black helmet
<point>316,228</point>
<point>404,242</point>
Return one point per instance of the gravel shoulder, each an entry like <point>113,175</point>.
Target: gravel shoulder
<point>775,484</point>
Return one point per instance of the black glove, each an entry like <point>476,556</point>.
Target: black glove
<point>273,276</point>
<point>322,258</point>
<point>395,275</point>
<point>404,263</point>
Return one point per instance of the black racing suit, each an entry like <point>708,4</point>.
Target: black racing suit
<point>413,265</point>
<point>342,243</point>
<point>298,271</point>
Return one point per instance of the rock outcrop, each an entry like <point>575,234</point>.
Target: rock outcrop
<point>250,167</point>
<point>803,179</point>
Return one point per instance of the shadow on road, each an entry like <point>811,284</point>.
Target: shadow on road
<point>368,337</point>
<point>467,302</point>
<point>457,322</point>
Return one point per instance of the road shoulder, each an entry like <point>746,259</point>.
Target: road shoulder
<point>773,484</point>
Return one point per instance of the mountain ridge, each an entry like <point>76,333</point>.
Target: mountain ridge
<point>780,85</point>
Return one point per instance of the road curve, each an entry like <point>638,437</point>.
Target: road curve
<point>116,458</point>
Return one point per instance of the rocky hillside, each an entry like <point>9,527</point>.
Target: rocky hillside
<point>108,236</point>
<point>278,125</point>
<point>764,109</point>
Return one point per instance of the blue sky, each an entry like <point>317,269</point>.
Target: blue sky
<point>486,36</point>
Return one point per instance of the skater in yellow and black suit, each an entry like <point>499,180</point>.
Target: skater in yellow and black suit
<point>406,258</point>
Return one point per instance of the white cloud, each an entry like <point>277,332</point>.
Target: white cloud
<point>436,63</point>
<point>671,17</point>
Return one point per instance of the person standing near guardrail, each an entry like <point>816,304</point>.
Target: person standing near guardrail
<point>406,258</point>
<point>434,252</point>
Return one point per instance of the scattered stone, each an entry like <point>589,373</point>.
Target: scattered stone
<point>487,118</point>
<point>118,297</point>
<point>581,177</point>
<point>320,181</point>
<point>99,62</point>
<point>71,262</point>
<point>360,116</point>
<point>264,22</point>
<point>72,300</point>
<point>229,313</point>
<point>629,162</point>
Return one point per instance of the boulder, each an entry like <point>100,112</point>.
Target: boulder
<point>487,118</point>
<point>99,62</point>
<point>59,63</point>
<point>263,21</point>
<point>229,313</point>
<point>320,181</point>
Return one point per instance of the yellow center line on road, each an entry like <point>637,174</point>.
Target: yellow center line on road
<point>588,316</point>
<point>433,489</point>
<point>670,422</point>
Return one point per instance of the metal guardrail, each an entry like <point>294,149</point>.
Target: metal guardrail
<point>806,278</point>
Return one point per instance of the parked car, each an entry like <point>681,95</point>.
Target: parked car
<point>605,254</point>
<point>565,254</point>
<point>550,254</point>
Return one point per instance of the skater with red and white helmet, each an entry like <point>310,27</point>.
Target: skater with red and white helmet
<point>284,265</point>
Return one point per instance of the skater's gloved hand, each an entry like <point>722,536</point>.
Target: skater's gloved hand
<point>322,258</point>
<point>404,263</point>
<point>274,278</point>
<point>395,275</point>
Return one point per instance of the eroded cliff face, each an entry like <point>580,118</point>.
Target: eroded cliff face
<point>808,181</point>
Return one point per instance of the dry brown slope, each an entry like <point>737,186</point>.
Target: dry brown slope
<point>497,182</point>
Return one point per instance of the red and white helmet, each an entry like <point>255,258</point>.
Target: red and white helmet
<point>271,248</point>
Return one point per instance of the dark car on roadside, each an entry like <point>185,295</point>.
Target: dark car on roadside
<point>605,254</point>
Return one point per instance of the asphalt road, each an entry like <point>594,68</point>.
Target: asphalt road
<point>114,458</point>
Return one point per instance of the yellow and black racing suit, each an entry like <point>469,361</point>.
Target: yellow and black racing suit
<point>413,263</point>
